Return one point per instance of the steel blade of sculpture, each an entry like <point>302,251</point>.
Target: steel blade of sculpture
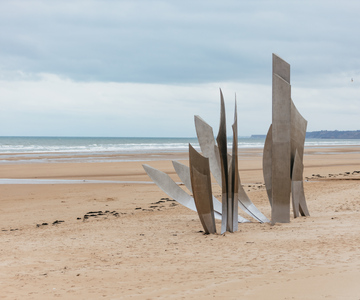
<point>201,186</point>
<point>184,174</point>
<point>286,136</point>
<point>208,146</point>
<point>209,149</point>
<point>297,188</point>
<point>222,144</point>
<point>234,178</point>
<point>267,170</point>
<point>298,133</point>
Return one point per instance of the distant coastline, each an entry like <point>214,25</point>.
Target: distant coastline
<point>258,136</point>
<point>336,134</point>
<point>324,134</point>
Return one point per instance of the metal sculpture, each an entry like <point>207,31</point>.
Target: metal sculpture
<point>282,165</point>
<point>209,149</point>
<point>196,178</point>
<point>285,138</point>
<point>201,186</point>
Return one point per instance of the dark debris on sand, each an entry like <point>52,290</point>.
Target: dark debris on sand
<point>339,176</point>
<point>105,214</point>
<point>56,222</point>
<point>159,205</point>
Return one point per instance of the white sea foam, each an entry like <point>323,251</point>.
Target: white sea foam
<point>101,145</point>
<point>44,149</point>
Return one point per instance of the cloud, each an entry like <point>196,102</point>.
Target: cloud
<point>177,42</point>
<point>144,68</point>
<point>53,105</point>
<point>330,108</point>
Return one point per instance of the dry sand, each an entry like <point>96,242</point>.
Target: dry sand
<point>134,247</point>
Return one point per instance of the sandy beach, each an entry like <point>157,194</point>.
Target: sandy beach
<point>128,240</point>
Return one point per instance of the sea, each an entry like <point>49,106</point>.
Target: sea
<point>97,149</point>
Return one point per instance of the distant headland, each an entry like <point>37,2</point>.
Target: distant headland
<point>324,134</point>
<point>336,134</point>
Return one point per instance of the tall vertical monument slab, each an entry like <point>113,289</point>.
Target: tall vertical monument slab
<point>284,149</point>
<point>281,141</point>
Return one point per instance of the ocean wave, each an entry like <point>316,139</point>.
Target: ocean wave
<point>129,145</point>
<point>94,148</point>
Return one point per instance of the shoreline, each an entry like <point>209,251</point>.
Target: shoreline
<point>111,157</point>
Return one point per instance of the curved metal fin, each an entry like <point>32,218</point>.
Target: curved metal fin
<point>222,144</point>
<point>234,179</point>
<point>297,189</point>
<point>267,164</point>
<point>207,144</point>
<point>298,134</point>
<point>201,186</point>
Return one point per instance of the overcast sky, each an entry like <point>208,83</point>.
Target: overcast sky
<point>145,68</point>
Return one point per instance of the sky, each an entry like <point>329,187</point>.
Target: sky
<point>144,68</point>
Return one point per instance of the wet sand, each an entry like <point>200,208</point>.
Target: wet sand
<point>128,240</point>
